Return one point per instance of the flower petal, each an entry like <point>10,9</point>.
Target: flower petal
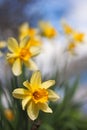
<point>35,50</point>
<point>27,84</point>
<point>48,84</point>
<point>20,93</point>
<point>13,45</point>
<point>17,68</point>
<point>44,107</point>
<point>25,101</point>
<point>31,65</point>
<point>11,55</point>
<point>32,110</point>
<point>52,95</point>
<point>24,41</point>
<point>36,78</point>
<point>24,27</point>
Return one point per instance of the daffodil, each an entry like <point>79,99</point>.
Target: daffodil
<point>66,27</point>
<point>75,35</point>
<point>25,30</point>
<point>78,37</point>
<point>47,29</point>
<point>71,47</point>
<point>21,53</point>
<point>36,95</point>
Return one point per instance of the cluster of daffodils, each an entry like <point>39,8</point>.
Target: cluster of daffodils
<point>35,42</point>
<point>74,37</point>
<point>36,95</point>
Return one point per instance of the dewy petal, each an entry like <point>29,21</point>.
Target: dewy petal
<point>36,78</point>
<point>27,84</point>
<point>48,84</point>
<point>17,68</point>
<point>44,107</point>
<point>35,50</point>
<point>13,45</point>
<point>52,95</point>
<point>20,93</point>
<point>32,111</point>
<point>31,65</point>
<point>25,101</point>
<point>24,41</point>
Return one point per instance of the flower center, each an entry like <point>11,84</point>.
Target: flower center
<point>25,54</point>
<point>40,95</point>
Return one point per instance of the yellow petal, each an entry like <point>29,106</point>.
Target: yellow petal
<point>36,78</point>
<point>31,65</point>
<point>27,84</point>
<point>32,111</point>
<point>35,50</point>
<point>52,95</point>
<point>24,41</point>
<point>17,69</point>
<point>48,84</point>
<point>13,45</point>
<point>11,55</point>
<point>25,101</point>
<point>24,27</point>
<point>44,107</point>
<point>20,93</point>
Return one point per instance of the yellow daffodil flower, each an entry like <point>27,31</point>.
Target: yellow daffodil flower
<point>47,29</point>
<point>66,27</point>
<point>25,30</point>
<point>76,36</point>
<point>79,37</point>
<point>36,95</point>
<point>71,47</point>
<point>21,53</point>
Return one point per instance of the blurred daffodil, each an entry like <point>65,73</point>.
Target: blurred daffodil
<point>36,95</point>
<point>75,35</point>
<point>21,53</point>
<point>9,114</point>
<point>79,37</point>
<point>71,47</point>
<point>66,28</point>
<point>25,30</point>
<point>47,29</point>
